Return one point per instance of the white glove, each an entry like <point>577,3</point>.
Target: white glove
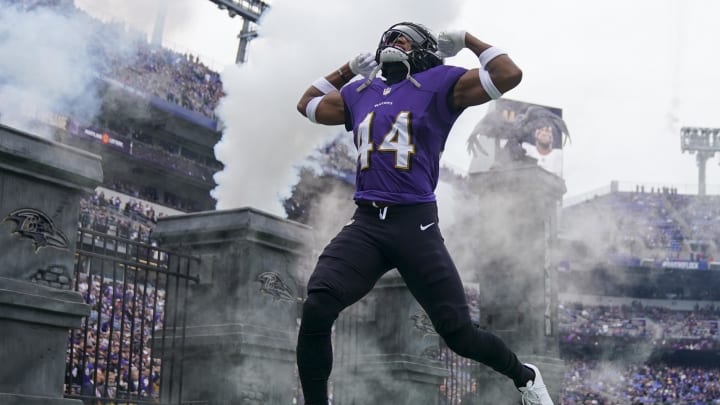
<point>363,64</point>
<point>450,43</point>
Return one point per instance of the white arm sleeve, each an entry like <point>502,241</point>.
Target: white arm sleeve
<point>489,54</point>
<point>324,85</point>
<point>488,85</point>
<point>312,107</point>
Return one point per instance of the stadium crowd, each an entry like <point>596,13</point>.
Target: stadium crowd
<point>178,78</point>
<point>132,220</point>
<point>150,194</point>
<point>659,326</point>
<point>596,383</point>
<point>661,224</point>
<point>110,356</point>
<point>647,217</point>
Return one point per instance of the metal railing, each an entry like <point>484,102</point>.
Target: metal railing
<point>137,293</point>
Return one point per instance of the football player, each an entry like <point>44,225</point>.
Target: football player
<point>400,123</point>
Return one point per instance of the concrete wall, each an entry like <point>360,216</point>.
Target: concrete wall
<point>515,229</point>
<point>242,316</point>
<point>41,183</point>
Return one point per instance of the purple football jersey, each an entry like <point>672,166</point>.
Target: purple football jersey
<point>400,132</point>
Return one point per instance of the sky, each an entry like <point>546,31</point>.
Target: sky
<point>627,76</point>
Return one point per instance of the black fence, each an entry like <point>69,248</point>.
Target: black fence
<point>137,293</point>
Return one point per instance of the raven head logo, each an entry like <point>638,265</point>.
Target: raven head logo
<point>423,324</point>
<point>36,225</point>
<point>272,284</point>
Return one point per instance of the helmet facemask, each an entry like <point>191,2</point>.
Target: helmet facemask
<point>421,56</point>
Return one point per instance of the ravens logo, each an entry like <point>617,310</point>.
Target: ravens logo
<point>33,224</point>
<point>272,284</point>
<point>423,324</point>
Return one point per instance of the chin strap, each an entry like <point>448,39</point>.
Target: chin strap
<point>390,55</point>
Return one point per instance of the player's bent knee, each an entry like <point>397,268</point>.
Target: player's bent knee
<point>319,312</point>
<point>447,319</point>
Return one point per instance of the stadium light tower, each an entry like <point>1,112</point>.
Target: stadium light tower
<point>704,142</point>
<point>250,11</point>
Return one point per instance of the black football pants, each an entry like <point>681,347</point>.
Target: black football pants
<point>379,239</point>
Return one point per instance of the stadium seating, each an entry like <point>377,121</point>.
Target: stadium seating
<point>600,383</point>
<point>658,326</point>
<point>178,78</point>
<point>656,226</point>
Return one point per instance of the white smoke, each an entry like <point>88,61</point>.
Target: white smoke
<point>46,67</point>
<point>265,137</point>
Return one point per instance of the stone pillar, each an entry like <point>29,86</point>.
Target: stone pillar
<point>386,350</point>
<point>242,316</point>
<point>516,231</point>
<point>41,183</point>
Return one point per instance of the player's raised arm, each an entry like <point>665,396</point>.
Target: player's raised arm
<point>497,74</point>
<point>321,103</point>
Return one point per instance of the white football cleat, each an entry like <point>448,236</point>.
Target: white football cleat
<point>535,392</point>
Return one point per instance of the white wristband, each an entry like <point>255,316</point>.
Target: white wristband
<point>324,85</point>
<point>311,107</point>
<point>489,54</point>
<point>488,85</point>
